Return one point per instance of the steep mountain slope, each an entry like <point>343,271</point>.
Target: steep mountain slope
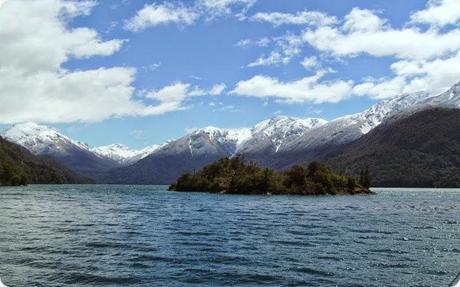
<point>348,128</point>
<point>19,166</point>
<point>451,98</point>
<point>188,153</point>
<point>317,142</point>
<point>123,154</point>
<point>42,140</point>
<point>421,150</point>
<point>273,133</point>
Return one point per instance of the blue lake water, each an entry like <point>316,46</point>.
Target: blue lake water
<point>147,236</point>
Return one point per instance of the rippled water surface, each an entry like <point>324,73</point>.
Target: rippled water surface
<point>146,236</point>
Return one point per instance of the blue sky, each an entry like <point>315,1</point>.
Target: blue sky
<point>156,71</point>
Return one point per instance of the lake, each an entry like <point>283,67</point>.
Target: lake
<point>146,236</point>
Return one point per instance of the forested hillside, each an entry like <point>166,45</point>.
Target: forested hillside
<point>19,167</point>
<point>422,150</point>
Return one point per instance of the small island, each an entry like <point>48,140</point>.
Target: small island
<point>235,176</point>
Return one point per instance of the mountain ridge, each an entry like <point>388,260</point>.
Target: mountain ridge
<point>122,153</point>
<point>45,141</point>
<point>421,150</point>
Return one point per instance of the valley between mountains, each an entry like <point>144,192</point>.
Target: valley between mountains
<point>390,137</point>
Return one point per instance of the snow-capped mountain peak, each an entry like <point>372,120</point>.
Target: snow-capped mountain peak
<point>375,115</point>
<point>40,139</point>
<point>455,90</point>
<point>348,128</point>
<point>286,125</point>
<point>406,103</point>
<point>117,152</point>
<point>237,135</point>
<point>123,154</point>
<point>240,135</point>
<point>276,131</point>
<point>205,139</point>
<point>450,98</point>
<point>43,140</point>
<point>210,131</point>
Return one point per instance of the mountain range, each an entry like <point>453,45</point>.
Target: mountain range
<point>78,156</point>
<point>278,142</point>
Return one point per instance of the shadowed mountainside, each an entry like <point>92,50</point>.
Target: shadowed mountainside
<point>189,153</point>
<point>422,150</point>
<point>18,167</point>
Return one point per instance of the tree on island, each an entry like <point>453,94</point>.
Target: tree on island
<point>365,178</point>
<point>235,176</point>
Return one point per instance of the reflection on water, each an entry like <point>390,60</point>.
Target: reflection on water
<point>146,236</point>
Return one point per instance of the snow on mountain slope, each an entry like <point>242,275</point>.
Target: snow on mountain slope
<point>375,115</point>
<point>271,134</point>
<point>225,140</point>
<point>123,154</point>
<point>450,98</point>
<point>148,150</point>
<point>209,140</point>
<point>206,145</point>
<point>240,136</point>
<point>41,139</point>
<point>406,104</point>
<point>348,128</point>
<point>236,136</point>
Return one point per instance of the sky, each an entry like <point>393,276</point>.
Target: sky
<point>144,72</point>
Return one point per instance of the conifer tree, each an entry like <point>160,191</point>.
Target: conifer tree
<point>365,177</point>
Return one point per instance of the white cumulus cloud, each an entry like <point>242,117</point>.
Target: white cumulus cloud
<point>412,76</point>
<point>313,18</point>
<point>363,20</point>
<point>439,13</point>
<point>308,89</point>
<point>155,14</point>
<point>224,6</point>
<point>275,57</point>
<point>158,14</point>
<point>217,89</point>
<point>173,97</point>
<point>310,62</point>
<point>36,42</point>
<point>170,98</point>
<point>365,33</point>
<point>287,47</point>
